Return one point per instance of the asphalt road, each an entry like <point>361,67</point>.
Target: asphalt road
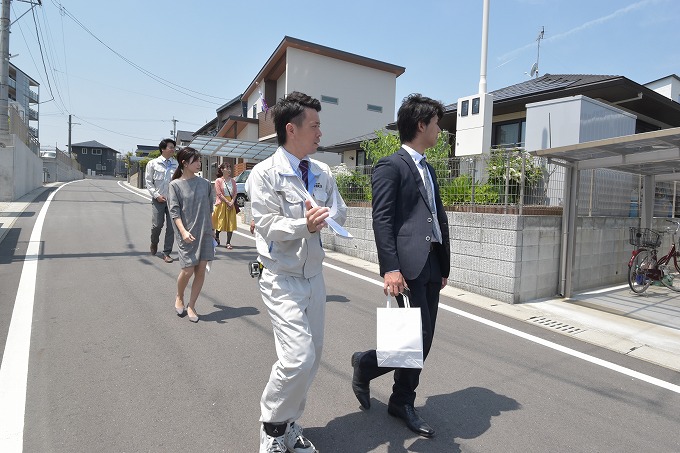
<point>113,369</point>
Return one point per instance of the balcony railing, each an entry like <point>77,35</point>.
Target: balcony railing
<point>32,115</point>
<point>33,96</point>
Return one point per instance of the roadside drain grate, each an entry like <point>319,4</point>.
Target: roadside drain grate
<point>556,325</point>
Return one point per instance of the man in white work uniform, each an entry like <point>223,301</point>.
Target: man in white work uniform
<point>292,196</point>
<point>158,174</point>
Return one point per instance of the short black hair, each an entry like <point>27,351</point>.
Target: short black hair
<point>165,142</point>
<point>414,109</point>
<point>291,109</point>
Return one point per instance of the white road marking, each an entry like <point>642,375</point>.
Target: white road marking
<point>549,344</point>
<point>134,191</point>
<point>14,367</point>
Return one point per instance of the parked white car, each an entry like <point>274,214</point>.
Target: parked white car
<point>241,195</point>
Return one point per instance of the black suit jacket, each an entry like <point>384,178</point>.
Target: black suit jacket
<point>402,221</point>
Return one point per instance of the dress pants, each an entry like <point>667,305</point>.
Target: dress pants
<point>424,294</point>
<point>297,308</point>
<point>161,214</point>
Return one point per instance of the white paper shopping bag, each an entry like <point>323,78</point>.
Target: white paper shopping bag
<point>399,336</point>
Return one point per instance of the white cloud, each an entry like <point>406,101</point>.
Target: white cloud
<point>511,55</point>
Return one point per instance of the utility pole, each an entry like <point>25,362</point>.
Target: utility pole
<point>174,128</point>
<point>4,74</point>
<point>69,137</point>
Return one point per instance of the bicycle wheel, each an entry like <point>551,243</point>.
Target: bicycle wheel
<point>637,278</point>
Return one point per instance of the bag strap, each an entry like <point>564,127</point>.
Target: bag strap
<point>407,304</point>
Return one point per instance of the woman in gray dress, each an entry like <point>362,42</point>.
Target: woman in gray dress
<point>190,205</point>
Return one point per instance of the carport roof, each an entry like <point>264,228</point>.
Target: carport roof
<point>655,153</point>
<point>231,147</point>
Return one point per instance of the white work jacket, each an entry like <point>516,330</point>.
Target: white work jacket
<point>158,175</point>
<point>284,244</point>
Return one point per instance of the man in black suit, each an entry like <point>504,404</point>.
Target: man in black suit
<point>412,236</point>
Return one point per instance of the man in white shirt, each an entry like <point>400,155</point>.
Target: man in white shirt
<point>159,172</point>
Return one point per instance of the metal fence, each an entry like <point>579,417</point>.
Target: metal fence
<point>21,130</point>
<point>514,182</point>
<point>505,182</point>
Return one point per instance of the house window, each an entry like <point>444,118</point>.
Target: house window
<point>361,158</point>
<point>329,99</point>
<point>510,134</point>
<point>84,151</point>
<point>364,162</point>
<point>374,108</point>
<point>464,107</point>
<point>254,111</point>
<point>96,151</point>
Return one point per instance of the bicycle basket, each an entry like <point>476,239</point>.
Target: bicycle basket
<point>644,237</point>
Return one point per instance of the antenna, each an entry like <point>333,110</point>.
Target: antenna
<point>534,68</point>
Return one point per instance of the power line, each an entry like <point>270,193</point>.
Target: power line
<point>28,48</point>
<point>133,92</point>
<point>165,82</point>
<point>109,130</point>
<point>38,32</point>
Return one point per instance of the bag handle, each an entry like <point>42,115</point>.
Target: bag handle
<point>407,304</point>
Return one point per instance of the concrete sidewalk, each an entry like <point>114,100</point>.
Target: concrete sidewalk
<point>644,326</point>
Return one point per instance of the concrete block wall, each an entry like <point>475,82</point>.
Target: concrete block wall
<point>539,250</point>
<point>510,258</point>
<point>21,171</point>
<point>484,254</point>
<point>58,171</point>
<point>602,251</point>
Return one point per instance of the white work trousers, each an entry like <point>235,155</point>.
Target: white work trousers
<point>297,308</point>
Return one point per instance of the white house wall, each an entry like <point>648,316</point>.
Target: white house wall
<point>354,85</point>
<point>668,86</point>
<point>249,133</point>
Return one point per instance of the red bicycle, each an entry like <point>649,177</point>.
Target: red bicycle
<point>645,268</point>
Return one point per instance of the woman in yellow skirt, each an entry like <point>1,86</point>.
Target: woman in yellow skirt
<point>224,214</point>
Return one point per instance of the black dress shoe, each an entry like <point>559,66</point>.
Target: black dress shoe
<point>407,413</point>
<point>361,389</point>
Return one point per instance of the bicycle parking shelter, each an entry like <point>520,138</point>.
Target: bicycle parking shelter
<point>654,155</point>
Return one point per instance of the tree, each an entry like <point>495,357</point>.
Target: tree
<point>387,143</point>
<point>152,155</point>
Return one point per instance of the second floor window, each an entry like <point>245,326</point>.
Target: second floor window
<point>96,151</point>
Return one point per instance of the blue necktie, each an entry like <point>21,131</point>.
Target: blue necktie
<point>436,231</point>
<point>304,169</point>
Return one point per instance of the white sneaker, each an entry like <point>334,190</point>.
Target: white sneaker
<point>269,444</point>
<point>296,442</point>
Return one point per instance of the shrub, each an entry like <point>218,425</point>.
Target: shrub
<point>498,174</point>
<point>459,190</point>
<point>354,186</point>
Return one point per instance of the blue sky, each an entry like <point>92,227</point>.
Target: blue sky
<point>212,49</point>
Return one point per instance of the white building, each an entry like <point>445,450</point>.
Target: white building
<point>357,95</point>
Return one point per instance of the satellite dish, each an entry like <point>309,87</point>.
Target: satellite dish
<point>534,69</point>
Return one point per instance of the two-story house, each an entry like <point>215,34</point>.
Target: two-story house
<point>357,95</point>
<point>95,158</point>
